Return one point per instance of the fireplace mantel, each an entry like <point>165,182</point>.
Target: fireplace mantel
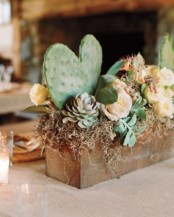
<point>40,9</point>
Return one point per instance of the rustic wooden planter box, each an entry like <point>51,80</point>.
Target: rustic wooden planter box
<point>90,168</point>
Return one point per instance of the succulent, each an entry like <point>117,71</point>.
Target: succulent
<point>82,109</point>
<point>67,75</point>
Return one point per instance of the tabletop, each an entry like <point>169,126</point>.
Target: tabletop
<point>146,192</point>
<point>15,99</point>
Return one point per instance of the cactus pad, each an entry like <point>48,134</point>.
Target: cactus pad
<point>91,58</point>
<point>67,75</point>
<point>166,53</point>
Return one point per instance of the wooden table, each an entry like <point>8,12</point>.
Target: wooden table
<point>146,192</point>
<point>16,99</point>
<point>25,127</point>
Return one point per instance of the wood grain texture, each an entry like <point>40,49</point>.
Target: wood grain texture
<point>38,9</point>
<point>90,167</point>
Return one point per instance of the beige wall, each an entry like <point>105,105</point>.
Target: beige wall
<point>6,41</point>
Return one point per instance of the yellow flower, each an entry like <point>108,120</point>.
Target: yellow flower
<point>38,94</point>
<point>119,109</point>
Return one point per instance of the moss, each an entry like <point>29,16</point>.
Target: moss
<point>50,131</point>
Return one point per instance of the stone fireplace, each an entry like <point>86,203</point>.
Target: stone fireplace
<point>120,34</point>
<point>123,28</point>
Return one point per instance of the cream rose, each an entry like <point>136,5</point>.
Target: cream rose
<point>119,109</point>
<point>164,76</point>
<point>118,85</point>
<point>161,101</point>
<point>148,71</point>
<point>158,95</point>
<point>164,108</point>
<point>38,94</point>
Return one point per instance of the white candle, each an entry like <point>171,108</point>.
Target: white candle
<point>4,165</point>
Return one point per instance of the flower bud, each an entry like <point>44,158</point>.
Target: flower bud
<point>38,94</point>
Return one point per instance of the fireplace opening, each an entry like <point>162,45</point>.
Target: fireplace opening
<point>118,45</point>
<point>120,34</point>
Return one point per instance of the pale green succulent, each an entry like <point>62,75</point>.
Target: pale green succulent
<point>82,109</point>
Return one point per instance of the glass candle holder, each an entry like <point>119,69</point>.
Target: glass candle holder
<point>6,139</point>
<point>4,164</point>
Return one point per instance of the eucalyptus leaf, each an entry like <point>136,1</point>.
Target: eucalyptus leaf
<point>107,95</point>
<point>132,140</point>
<point>113,70</point>
<point>127,119</point>
<point>139,103</point>
<point>138,107</point>
<point>127,138</point>
<point>104,80</point>
<point>121,129</point>
<point>143,103</point>
<point>133,120</point>
<point>141,113</point>
<point>37,109</point>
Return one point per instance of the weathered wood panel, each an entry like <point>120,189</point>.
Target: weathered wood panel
<point>91,168</point>
<point>38,9</point>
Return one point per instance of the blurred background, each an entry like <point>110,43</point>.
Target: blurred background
<point>123,27</point>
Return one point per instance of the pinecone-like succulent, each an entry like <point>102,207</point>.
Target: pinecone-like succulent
<point>83,109</point>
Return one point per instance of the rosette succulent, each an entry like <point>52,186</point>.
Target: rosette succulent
<point>82,109</point>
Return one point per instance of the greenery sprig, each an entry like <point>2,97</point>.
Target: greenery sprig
<point>127,127</point>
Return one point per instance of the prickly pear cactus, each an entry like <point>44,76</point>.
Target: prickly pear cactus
<point>91,59</point>
<point>67,75</point>
<point>166,53</point>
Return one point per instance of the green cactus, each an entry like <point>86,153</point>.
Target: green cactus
<point>91,59</point>
<point>66,75</point>
<point>166,53</point>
